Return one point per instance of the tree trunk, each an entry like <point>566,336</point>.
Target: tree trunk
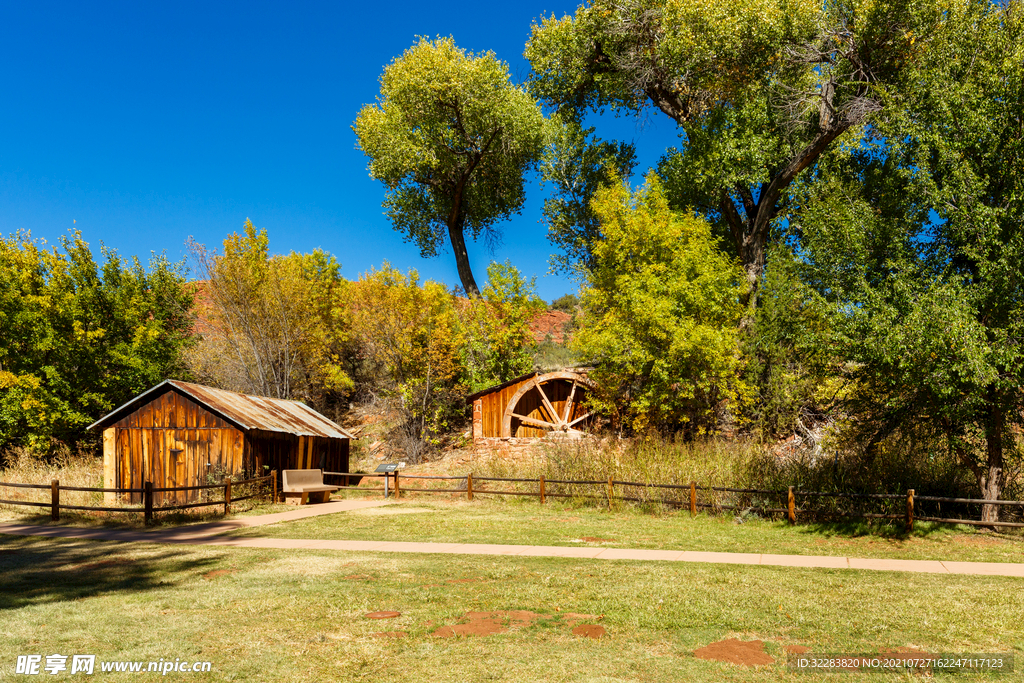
<point>751,229</point>
<point>752,257</point>
<point>992,474</point>
<point>458,239</point>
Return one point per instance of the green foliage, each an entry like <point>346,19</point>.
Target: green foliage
<point>759,90</point>
<point>451,138</point>
<point>718,50</point>
<point>271,325</point>
<point>499,342</point>
<point>566,303</point>
<point>411,338</point>
<point>920,250</point>
<point>576,166</point>
<point>788,356</point>
<point>420,349</point>
<point>922,353</point>
<point>660,310</point>
<point>80,338</point>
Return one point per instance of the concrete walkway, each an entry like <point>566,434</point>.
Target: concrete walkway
<point>206,534</point>
<point>300,512</point>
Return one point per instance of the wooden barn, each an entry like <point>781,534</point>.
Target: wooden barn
<point>532,406</point>
<point>182,434</point>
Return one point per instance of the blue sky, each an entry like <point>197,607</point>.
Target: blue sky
<point>142,124</point>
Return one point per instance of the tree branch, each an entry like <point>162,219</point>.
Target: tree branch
<point>732,217</point>
<point>748,200</point>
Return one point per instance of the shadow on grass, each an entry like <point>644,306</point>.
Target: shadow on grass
<point>99,520</point>
<point>37,571</point>
<point>132,519</point>
<point>896,530</point>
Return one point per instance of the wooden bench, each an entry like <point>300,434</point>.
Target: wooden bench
<point>305,486</point>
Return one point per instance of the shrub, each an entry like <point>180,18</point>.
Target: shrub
<point>660,313</point>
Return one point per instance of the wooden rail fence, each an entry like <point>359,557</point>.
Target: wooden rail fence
<point>542,488</point>
<point>148,509</point>
<point>687,497</point>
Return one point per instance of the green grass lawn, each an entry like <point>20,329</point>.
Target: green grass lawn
<point>276,615</point>
<point>528,522</point>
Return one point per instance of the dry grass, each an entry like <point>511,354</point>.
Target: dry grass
<point>71,469</point>
<point>742,464</point>
<point>646,461</point>
<point>712,463</point>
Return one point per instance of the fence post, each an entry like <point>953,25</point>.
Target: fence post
<point>469,486</point>
<point>397,490</point>
<point>910,510</point>
<point>542,489</point>
<point>273,486</point>
<point>55,500</point>
<point>792,506</point>
<point>147,501</point>
<point>227,495</point>
<point>693,499</point>
<point>611,493</point>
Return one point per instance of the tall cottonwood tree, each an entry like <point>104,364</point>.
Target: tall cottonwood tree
<point>576,164</point>
<point>759,89</point>
<point>919,245</point>
<point>451,137</point>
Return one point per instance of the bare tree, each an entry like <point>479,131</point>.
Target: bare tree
<point>261,330</point>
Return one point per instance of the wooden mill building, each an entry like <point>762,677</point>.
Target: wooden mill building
<point>532,406</point>
<point>181,434</point>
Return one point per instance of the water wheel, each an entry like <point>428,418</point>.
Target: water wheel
<point>553,402</point>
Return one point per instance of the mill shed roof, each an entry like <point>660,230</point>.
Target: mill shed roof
<point>244,411</point>
<point>499,387</point>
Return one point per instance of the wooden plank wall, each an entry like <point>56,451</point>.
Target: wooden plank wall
<point>493,408</point>
<point>335,455</point>
<point>172,441</point>
<point>530,405</point>
<point>275,451</point>
<point>278,451</point>
<point>110,457</point>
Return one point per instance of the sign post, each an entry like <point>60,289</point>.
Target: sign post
<point>387,468</point>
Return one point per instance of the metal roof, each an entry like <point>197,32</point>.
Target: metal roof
<point>579,370</point>
<point>499,387</point>
<point>244,411</point>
